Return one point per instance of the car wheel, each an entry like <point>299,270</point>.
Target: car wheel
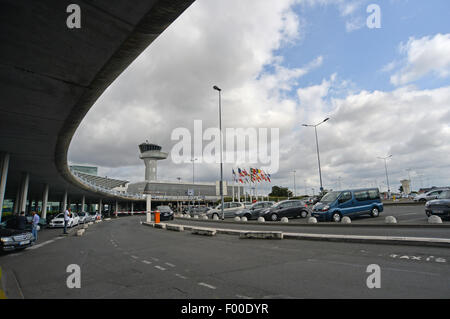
<point>422,200</point>
<point>428,214</point>
<point>248,216</point>
<point>303,214</point>
<point>336,217</point>
<point>274,217</point>
<point>374,212</point>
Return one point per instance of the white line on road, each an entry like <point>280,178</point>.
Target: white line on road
<point>206,285</point>
<point>160,268</point>
<point>147,262</point>
<point>41,244</point>
<point>180,276</point>
<point>155,259</point>
<point>134,257</point>
<point>170,265</point>
<point>243,297</point>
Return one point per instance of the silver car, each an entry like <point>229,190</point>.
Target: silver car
<point>430,195</point>
<point>228,210</point>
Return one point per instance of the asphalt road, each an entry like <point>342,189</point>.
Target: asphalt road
<point>124,259</point>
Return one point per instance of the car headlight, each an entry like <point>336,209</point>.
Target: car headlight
<point>7,240</point>
<point>427,204</point>
<point>325,208</point>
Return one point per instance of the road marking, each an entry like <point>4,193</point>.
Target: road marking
<point>160,268</point>
<point>243,297</point>
<point>180,276</point>
<point>153,258</point>
<point>206,285</point>
<point>41,244</point>
<point>146,262</point>
<point>134,257</point>
<point>170,265</point>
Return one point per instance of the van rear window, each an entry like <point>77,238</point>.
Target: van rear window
<point>367,195</point>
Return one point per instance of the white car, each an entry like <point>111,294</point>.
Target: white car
<point>84,217</point>
<point>58,221</point>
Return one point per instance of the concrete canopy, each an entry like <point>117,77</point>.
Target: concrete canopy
<point>51,75</point>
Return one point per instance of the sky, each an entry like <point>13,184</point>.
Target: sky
<point>281,64</point>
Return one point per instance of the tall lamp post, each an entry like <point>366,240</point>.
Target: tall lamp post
<point>385,168</point>
<point>317,147</point>
<point>215,87</point>
<point>295,189</point>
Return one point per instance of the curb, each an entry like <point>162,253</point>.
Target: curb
<point>322,224</point>
<point>388,240</point>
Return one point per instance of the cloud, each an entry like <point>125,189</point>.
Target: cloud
<point>424,56</point>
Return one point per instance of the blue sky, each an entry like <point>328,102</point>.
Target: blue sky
<point>360,55</point>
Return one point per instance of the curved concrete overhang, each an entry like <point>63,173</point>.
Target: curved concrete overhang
<point>50,76</point>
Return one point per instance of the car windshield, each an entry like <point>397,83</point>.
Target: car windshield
<point>59,216</point>
<point>330,197</point>
<point>444,195</point>
<point>164,208</point>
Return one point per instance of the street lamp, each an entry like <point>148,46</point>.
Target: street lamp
<point>193,161</point>
<point>295,190</point>
<point>317,147</point>
<point>385,168</point>
<point>215,87</point>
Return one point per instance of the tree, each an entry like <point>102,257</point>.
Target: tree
<point>280,192</point>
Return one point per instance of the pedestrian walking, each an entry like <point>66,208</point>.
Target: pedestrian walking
<point>35,224</point>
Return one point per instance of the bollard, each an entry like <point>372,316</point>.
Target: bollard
<point>261,219</point>
<point>312,220</point>
<point>346,220</point>
<point>433,219</point>
<point>244,219</point>
<point>157,216</point>
<point>284,220</point>
<point>237,219</point>
<point>390,220</point>
<point>205,217</point>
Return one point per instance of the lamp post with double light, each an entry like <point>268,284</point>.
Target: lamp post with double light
<point>317,148</point>
<point>215,87</point>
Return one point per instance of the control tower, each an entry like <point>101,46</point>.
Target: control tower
<point>151,153</point>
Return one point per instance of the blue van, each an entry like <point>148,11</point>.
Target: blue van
<point>354,202</point>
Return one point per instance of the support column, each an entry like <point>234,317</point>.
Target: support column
<point>100,208</point>
<point>149,208</point>
<point>24,192</point>
<point>83,203</point>
<point>4,164</point>
<point>64,202</point>
<point>45,201</point>
<point>239,193</point>
<point>132,208</point>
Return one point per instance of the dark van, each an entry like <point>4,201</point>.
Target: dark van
<point>353,202</point>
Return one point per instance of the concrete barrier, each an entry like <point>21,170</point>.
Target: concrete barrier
<point>390,220</point>
<point>196,217</point>
<point>91,223</point>
<point>205,217</point>
<point>346,220</point>
<point>433,219</point>
<point>160,225</point>
<point>204,231</point>
<point>312,220</point>
<point>237,219</point>
<point>261,220</point>
<point>85,226</point>
<point>188,216</point>
<point>80,232</point>
<point>260,235</point>
<point>107,218</point>
<point>174,227</point>
<point>284,220</point>
<point>244,219</point>
<point>98,221</point>
<point>215,217</point>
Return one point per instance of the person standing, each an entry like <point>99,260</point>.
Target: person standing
<point>66,219</point>
<point>35,223</point>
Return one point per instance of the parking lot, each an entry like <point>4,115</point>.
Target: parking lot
<point>155,263</point>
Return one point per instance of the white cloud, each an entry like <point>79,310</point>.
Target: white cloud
<point>424,56</point>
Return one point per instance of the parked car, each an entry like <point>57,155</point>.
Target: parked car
<point>286,208</point>
<point>166,212</point>
<point>439,206</point>
<point>13,239</point>
<point>430,195</point>
<point>93,216</point>
<point>198,211</point>
<point>58,221</point>
<point>228,210</point>
<point>254,211</point>
<point>335,205</point>
<point>248,204</point>
<point>83,217</point>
